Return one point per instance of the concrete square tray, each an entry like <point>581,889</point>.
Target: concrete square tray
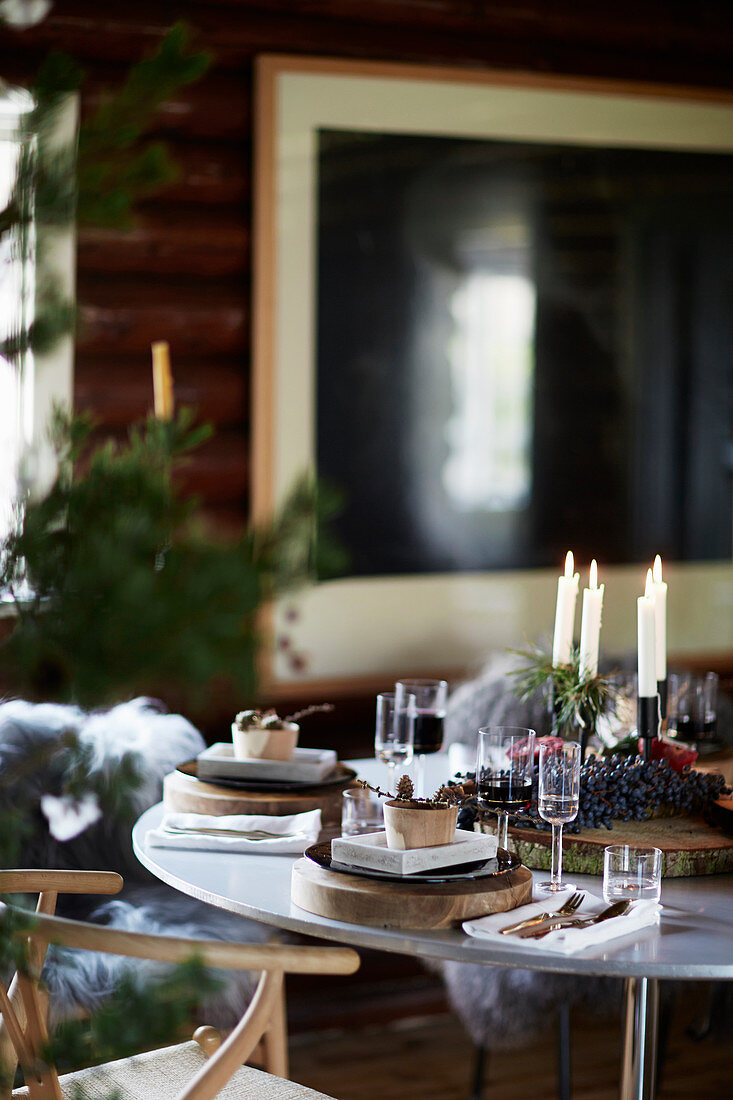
<point>305,765</point>
<point>371,851</point>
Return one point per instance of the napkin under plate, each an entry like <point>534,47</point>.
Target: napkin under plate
<point>565,941</point>
<point>296,833</point>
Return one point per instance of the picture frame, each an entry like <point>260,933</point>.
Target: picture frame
<point>361,632</point>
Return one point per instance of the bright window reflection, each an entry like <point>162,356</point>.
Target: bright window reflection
<point>16,306</point>
<point>492,368</point>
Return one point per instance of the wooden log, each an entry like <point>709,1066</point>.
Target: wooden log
<point>399,905</point>
<point>118,389</point>
<point>560,42</point>
<point>204,248</point>
<point>689,846</point>
<point>203,328</point>
<point>183,792</point>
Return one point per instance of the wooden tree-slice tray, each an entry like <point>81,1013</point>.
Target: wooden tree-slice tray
<point>690,846</point>
<point>184,792</point>
<point>404,905</point>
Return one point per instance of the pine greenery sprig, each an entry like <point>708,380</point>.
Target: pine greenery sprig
<point>128,593</point>
<point>577,701</point>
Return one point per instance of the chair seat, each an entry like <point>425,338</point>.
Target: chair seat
<point>162,1075</point>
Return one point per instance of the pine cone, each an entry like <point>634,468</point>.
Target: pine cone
<point>248,718</point>
<point>405,789</point>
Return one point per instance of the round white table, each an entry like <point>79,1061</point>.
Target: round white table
<point>694,939</point>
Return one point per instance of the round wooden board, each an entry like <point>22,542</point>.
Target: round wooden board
<point>397,905</point>
<point>690,846</point>
<point>187,794</point>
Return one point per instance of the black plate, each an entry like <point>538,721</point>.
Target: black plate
<point>483,868</point>
<point>340,777</point>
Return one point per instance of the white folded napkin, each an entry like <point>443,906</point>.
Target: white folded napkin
<point>295,833</point>
<point>565,941</point>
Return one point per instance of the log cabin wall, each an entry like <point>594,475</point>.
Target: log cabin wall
<point>184,272</point>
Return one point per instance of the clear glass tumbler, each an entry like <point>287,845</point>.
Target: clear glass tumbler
<point>361,812</point>
<point>631,873</point>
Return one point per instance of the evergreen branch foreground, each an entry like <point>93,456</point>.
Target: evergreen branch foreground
<point>119,590</point>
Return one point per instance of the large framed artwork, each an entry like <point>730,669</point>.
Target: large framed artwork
<point>496,312</point>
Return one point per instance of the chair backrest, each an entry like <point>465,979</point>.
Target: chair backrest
<point>24,1034</point>
<point>23,1029</point>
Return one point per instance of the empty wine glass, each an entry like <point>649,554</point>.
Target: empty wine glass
<point>431,697</point>
<point>504,764</point>
<point>559,799</point>
<point>394,732</point>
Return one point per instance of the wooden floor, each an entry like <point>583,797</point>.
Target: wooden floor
<point>431,1059</point>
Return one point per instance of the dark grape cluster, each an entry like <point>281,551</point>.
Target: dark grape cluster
<point>629,788</point>
<point>624,788</point>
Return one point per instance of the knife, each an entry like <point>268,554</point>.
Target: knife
<point>616,910</point>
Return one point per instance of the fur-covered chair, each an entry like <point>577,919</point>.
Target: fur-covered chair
<point>160,741</point>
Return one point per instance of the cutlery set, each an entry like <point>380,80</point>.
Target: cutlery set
<point>535,928</point>
<point>254,834</point>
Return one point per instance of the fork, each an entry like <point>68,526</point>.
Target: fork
<point>618,909</point>
<point>565,910</point>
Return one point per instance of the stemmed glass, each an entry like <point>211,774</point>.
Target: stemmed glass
<point>394,732</point>
<point>559,799</point>
<point>431,697</point>
<point>504,765</point>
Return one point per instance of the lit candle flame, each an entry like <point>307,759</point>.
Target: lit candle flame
<point>657,570</point>
<point>649,589</point>
<point>569,564</point>
<point>593,580</point>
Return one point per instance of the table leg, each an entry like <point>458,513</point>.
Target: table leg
<point>639,1054</point>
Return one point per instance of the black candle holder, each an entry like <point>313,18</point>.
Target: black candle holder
<point>648,722</point>
<point>662,693</point>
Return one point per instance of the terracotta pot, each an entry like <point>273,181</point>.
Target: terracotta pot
<point>418,825</point>
<point>262,743</point>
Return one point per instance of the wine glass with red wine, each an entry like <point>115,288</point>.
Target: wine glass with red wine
<point>431,697</point>
<point>504,765</point>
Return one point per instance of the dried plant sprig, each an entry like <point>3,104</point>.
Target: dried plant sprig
<point>444,796</point>
<point>315,709</point>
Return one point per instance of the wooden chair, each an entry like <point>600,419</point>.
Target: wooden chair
<point>216,1069</point>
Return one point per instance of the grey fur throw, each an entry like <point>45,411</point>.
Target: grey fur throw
<point>160,742</point>
<point>500,1007</point>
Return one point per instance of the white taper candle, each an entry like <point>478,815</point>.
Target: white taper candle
<point>590,624</point>
<point>567,592</point>
<point>659,589</point>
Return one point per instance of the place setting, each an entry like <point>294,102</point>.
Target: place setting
<point>261,770</point>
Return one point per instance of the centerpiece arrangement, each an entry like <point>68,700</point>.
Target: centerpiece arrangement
<point>622,782</point>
